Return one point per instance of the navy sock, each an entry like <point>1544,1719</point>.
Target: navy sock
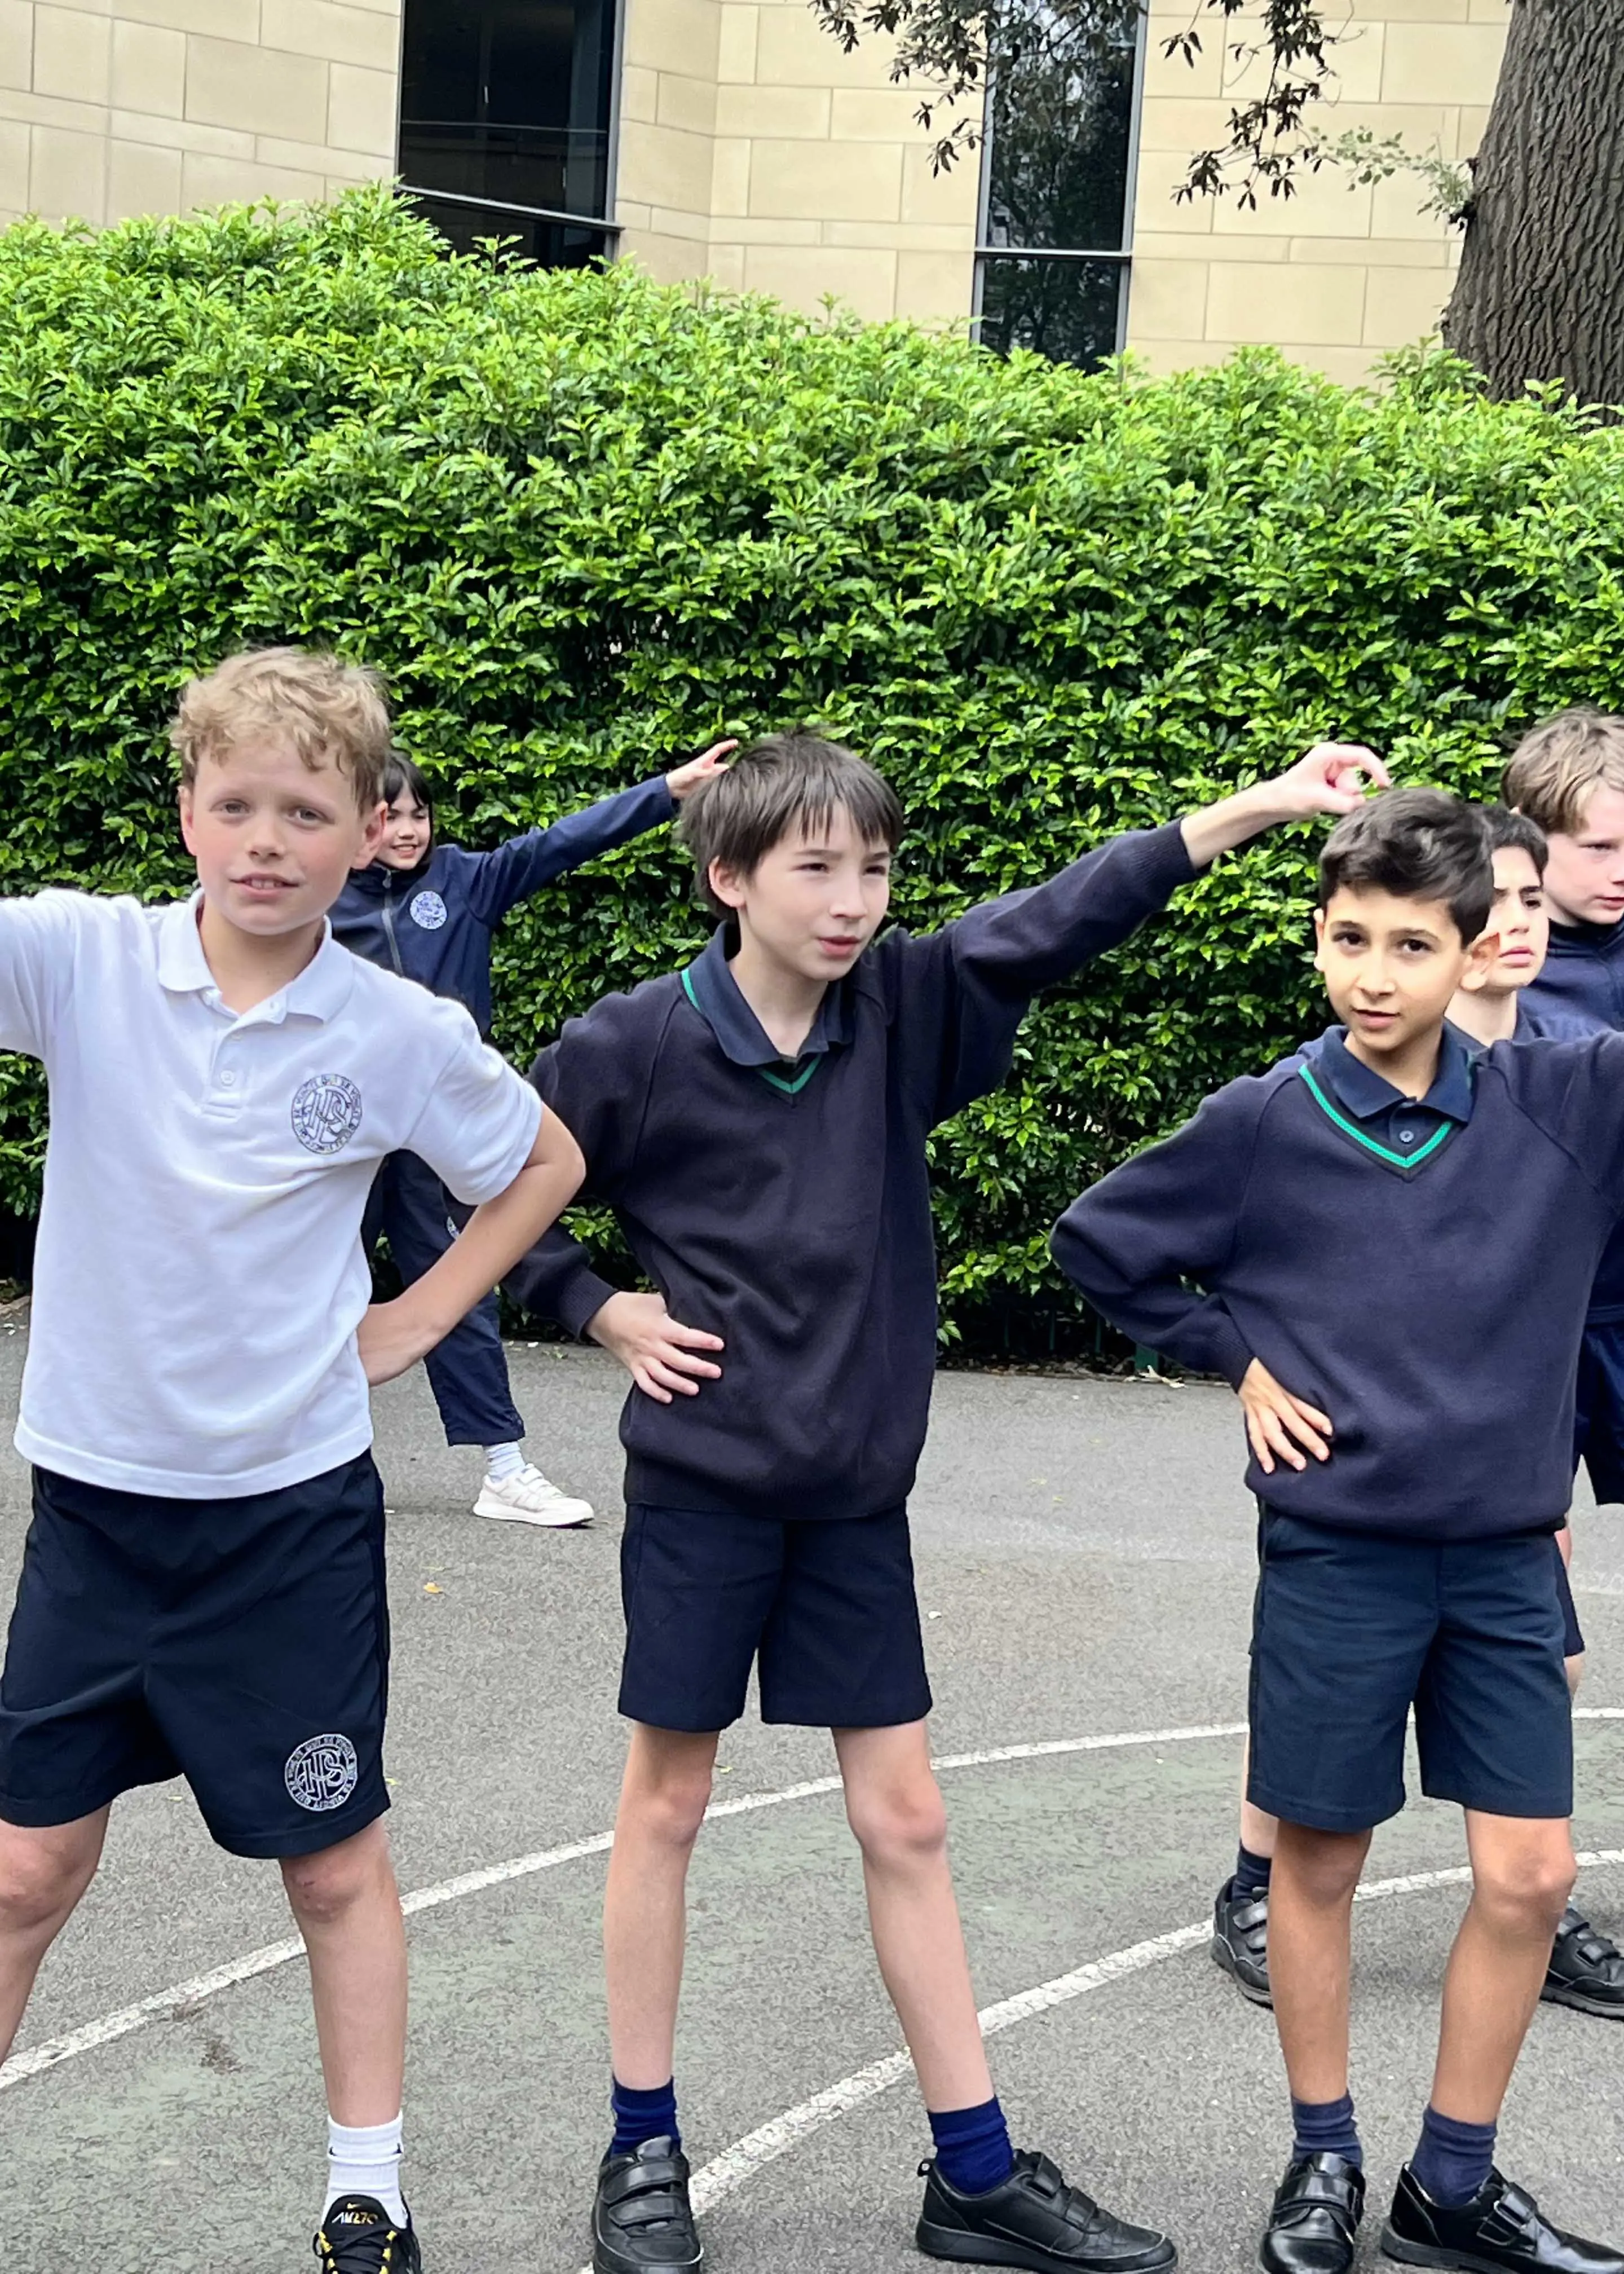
<point>1451,2160</point>
<point>1325,2127</point>
<point>1252,1872</point>
<point>640,2116</point>
<point>973,2147</point>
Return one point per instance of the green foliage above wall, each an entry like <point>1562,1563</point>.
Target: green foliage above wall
<point>585,524</point>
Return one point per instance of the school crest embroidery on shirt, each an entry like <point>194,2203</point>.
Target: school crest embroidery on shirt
<point>428,910</point>
<point>321,1774</point>
<point>327,1112</point>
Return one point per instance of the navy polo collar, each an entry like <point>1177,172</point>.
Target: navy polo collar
<point>1364,1093</point>
<point>711,988</point>
<point>1604,940</point>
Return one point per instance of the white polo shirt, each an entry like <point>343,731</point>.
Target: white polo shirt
<point>198,1277</point>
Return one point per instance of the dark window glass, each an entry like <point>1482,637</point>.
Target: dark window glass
<point>1061,120</point>
<point>1057,178</point>
<point>509,99</point>
<point>1069,310</point>
<point>550,244</point>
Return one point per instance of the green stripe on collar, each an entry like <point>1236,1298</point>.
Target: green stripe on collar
<point>791,1088</point>
<point>1440,1137</point>
<point>775,1081</point>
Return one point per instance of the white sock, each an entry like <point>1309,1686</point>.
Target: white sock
<point>502,1462</point>
<point>364,2160</point>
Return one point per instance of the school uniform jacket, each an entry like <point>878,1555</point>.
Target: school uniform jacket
<point>434,924</point>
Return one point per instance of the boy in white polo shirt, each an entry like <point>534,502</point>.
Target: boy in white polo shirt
<point>203,1585</point>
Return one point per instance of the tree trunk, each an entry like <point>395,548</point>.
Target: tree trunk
<point>1540,293</point>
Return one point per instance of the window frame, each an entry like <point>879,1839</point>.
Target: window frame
<point>602,224</point>
<point>986,252</point>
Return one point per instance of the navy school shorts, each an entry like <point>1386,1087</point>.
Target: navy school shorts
<point>1351,1629</point>
<point>241,1644</point>
<point>827,1610</point>
<point>1599,1418</point>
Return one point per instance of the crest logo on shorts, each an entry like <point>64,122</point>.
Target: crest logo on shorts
<point>321,1772</point>
<point>427,909</point>
<point>327,1112</point>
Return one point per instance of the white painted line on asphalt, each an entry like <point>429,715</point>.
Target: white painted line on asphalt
<point>179,1999</point>
<point>729,2171</point>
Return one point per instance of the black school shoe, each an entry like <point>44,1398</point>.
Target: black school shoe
<point>1240,1941</point>
<point>1586,1970</point>
<point>1317,2207</point>
<point>642,2218</point>
<point>357,2237</point>
<point>1502,2227</point>
<point>1034,2219</point>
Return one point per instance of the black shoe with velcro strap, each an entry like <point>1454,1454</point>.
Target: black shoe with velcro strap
<point>1317,2207</point>
<point>1500,2231</point>
<point>357,2236</point>
<point>641,2219</point>
<point>1586,1969</point>
<point>1240,1940</point>
<point>1035,2220</point>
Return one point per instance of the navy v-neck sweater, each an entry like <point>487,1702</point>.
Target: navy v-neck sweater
<point>788,1208</point>
<point>1434,1311</point>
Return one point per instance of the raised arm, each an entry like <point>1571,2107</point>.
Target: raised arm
<point>985,969</point>
<point>510,874</point>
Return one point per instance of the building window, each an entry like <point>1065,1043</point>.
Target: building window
<point>506,122</point>
<point>1052,262</point>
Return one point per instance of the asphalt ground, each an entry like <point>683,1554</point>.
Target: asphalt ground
<point>1085,1556</point>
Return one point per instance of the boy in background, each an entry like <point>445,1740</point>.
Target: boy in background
<point>760,1124</point>
<point>203,1591</point>
<point>430,910</point>
<point>1387,1251</point>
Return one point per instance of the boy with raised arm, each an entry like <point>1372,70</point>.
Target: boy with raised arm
<point>759,1122</point>
<point>1387,1246</point>
<point>430,910</point>
<point>202,1591</point>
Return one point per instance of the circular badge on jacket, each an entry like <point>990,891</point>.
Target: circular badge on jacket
<point>427,909</point>
<point>321,1774</point>
<point>327,1112</point>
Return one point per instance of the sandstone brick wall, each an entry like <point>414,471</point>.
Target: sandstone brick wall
<point>752,151</point>
<point>153,106</point>
<point>1333,275</point>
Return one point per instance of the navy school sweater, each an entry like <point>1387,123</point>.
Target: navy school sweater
<point>1583,972</point>
<point>434,924</point>
<point>786,1207</point>
<point>1434,1311</point>
<point>1581,991</point>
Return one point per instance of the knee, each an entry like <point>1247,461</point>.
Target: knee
<point>1323,1867</point>
<point>325,1889</point>
<point>40,1886</point>
<point>1527,1894</point>
<point>670,1807</point>
<point>899,1825</point>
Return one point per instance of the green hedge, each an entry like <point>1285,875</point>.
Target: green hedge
<point>584,522</point>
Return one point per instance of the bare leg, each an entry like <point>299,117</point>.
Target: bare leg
<point>894,1806</point>
<point>1522,1873</point>
<point>348,1909</point>
<point>42,1875</point>
<point>664,1795</point>
<point>1311,1907</point>
<point>1258,1828</point>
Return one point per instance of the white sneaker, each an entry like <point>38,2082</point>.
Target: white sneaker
<point>528,1498</point>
